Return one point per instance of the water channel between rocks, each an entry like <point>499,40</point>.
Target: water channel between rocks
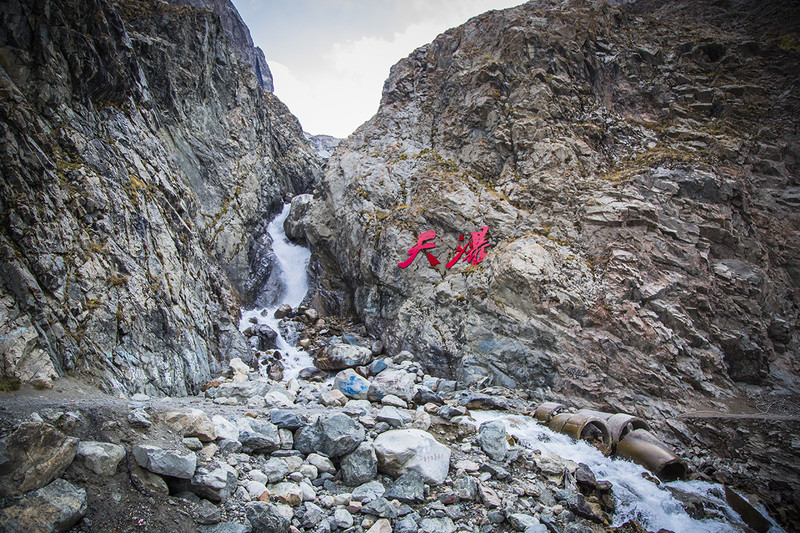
<point>293,265</point>
<point>654,506</point>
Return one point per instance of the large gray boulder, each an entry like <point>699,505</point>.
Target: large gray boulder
<point>339,434</point>
<point>102,458</point>
<point>165,462</point>
<point>360,466</point>
<point>402,450</point>
<point>191,423</point>
<point>264,518</point>
<point>492,436</point>
<point>333,435</point>
<point>212,483</point>
<point>258,436</point>
<point>51,509</point>
<point>36,454</point>
<point>341,356</point>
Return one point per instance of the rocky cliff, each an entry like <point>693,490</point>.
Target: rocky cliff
<point>139,163</point>
<point>239,35</point>
<point>636,168</point>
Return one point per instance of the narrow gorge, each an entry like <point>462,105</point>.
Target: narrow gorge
<point>561,213</point>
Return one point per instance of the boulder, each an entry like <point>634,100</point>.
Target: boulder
<point>312,516</point>
<point>333,435</point>
<point>522,521</point>
<point>391,415</point>
<point>256,489</point>
<point>165,462</point>
<point>286,419</point>
<point>215,484</point>
<point>381,526</point>
<point>139,418</point>
<point>368,492</point>
<point>191,423</point>
<point>54,508</point>
<point>283,311</point>
<point>493,439</point>
<point>402,450</point>
<point>148,482</point>
<point>101,458</point>
<point>37,453</point>
<point>393,381</point>
<point>275,470</point>
<point>333,398</point>
<point>342,519</point>
<point>341,356</point>
<point>322,464</point>
<point>258,436</point>
<point>408,488</point>
<point>360,466</point>
<point>437,525</point>
<point>466,487</point>
<point>225,429</point>
<point>287,493</point>
<point>265,518</point>
<point>351,384</point>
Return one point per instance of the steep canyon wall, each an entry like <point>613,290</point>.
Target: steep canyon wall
<point>140,161</point>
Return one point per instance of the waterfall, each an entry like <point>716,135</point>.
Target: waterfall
<point>654,506</point>
<point>293,266</point>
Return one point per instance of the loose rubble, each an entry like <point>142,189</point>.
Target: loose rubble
<point>398,453</point>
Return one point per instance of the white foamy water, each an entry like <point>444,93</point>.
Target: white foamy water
<point>637,498</point>
<point>293,265</point>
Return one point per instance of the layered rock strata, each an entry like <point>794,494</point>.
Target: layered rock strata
<point>636,168</point>
<point>140,163</point>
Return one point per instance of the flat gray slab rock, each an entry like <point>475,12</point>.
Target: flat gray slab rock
<point>165,462</point>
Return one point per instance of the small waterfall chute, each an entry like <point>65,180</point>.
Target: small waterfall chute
<point>292,263</point>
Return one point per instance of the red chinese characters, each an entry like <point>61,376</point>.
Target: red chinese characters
<point>421,245</point>
<point>475,249</point>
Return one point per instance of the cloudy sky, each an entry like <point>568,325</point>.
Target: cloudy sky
<point>329,58</point>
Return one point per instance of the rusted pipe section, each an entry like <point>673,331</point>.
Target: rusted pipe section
<point>621,424</point>
<point>623,435</point>
<point>582,426</point>
<point>641,447</point>
<point>545,412</point>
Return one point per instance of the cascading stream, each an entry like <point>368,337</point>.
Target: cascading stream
<point>637,498</point>
<point>293,264</point>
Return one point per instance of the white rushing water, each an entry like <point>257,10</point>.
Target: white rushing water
<point>293,264</point>
<point>637,498</point>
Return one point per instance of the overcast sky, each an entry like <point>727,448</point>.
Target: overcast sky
<point>329,58</point>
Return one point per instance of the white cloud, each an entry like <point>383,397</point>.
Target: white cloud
<point>343,89</point>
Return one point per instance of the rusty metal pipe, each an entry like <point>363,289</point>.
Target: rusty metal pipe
<point>641,447</point>
<point>545,412</point>
<point>557,422</point>
<point>581,426</point>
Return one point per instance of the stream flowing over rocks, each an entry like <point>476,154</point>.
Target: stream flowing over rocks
<point>211,321</point>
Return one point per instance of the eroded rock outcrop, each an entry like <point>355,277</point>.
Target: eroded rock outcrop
<point>637,169</point>
<point>140,163</point>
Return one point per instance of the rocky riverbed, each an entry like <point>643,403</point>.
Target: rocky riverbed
<point>381,447</point>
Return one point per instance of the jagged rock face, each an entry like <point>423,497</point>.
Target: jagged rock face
<point>638,174</point>
<point>240,37</point>
<point>140,164</point>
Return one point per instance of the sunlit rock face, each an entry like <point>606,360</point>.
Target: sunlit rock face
<point>140,164</point>
<point>637,169</point>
